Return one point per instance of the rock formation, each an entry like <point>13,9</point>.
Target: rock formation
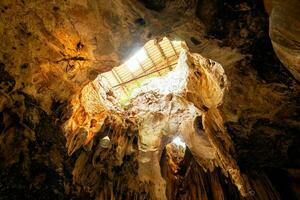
<point>173,105</point>
<point>285,33</point>
<point>233,102</point>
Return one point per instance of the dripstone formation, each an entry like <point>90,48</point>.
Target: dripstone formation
<point>233,98</point>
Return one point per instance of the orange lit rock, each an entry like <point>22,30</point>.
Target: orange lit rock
<point>56,116</point>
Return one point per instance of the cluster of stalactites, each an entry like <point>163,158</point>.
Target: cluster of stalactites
<point>183,103</point>
<point>101,135</point>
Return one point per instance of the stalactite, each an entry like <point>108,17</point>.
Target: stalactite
<point>63,134</point>
<point>194,183</point>
<point>108,138</point>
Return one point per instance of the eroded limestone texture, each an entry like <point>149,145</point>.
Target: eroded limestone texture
<point>285,33</point>
<point>51,50</point>
<point>183,103</point>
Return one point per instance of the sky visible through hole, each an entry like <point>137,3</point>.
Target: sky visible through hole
<point>154,59</point>
<point>179,142</point>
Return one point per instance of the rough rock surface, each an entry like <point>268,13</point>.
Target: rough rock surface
<point>174,105</point>
<point>50,50</point>
<point>105,136</point>
<point>285,33</point>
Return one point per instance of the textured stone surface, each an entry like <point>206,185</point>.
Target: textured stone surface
<point>285,33</point>
<point>162,108</point>
<point>174,105</point>
<point>50,50</point>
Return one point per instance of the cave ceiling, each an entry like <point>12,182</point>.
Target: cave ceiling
<point>63,134</point>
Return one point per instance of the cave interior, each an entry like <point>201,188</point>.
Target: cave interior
<point>150,99</point>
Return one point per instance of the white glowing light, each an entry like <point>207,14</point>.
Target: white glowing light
<point>133,63</point>
<point>178,141</point>
<point>141,55</point>
<point>176,42</point>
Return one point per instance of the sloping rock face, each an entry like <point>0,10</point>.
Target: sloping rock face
<point>285,33</point>
<point>50,50</point>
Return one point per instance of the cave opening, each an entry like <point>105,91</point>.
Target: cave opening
<point>151,112</point>
<point>178,141</point>
<point>156,58</point>
<point>163,123</point>
<point>126,82</point>
<point>175,153</point>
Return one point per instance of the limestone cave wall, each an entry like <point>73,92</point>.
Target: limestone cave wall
<point>52,51</point>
